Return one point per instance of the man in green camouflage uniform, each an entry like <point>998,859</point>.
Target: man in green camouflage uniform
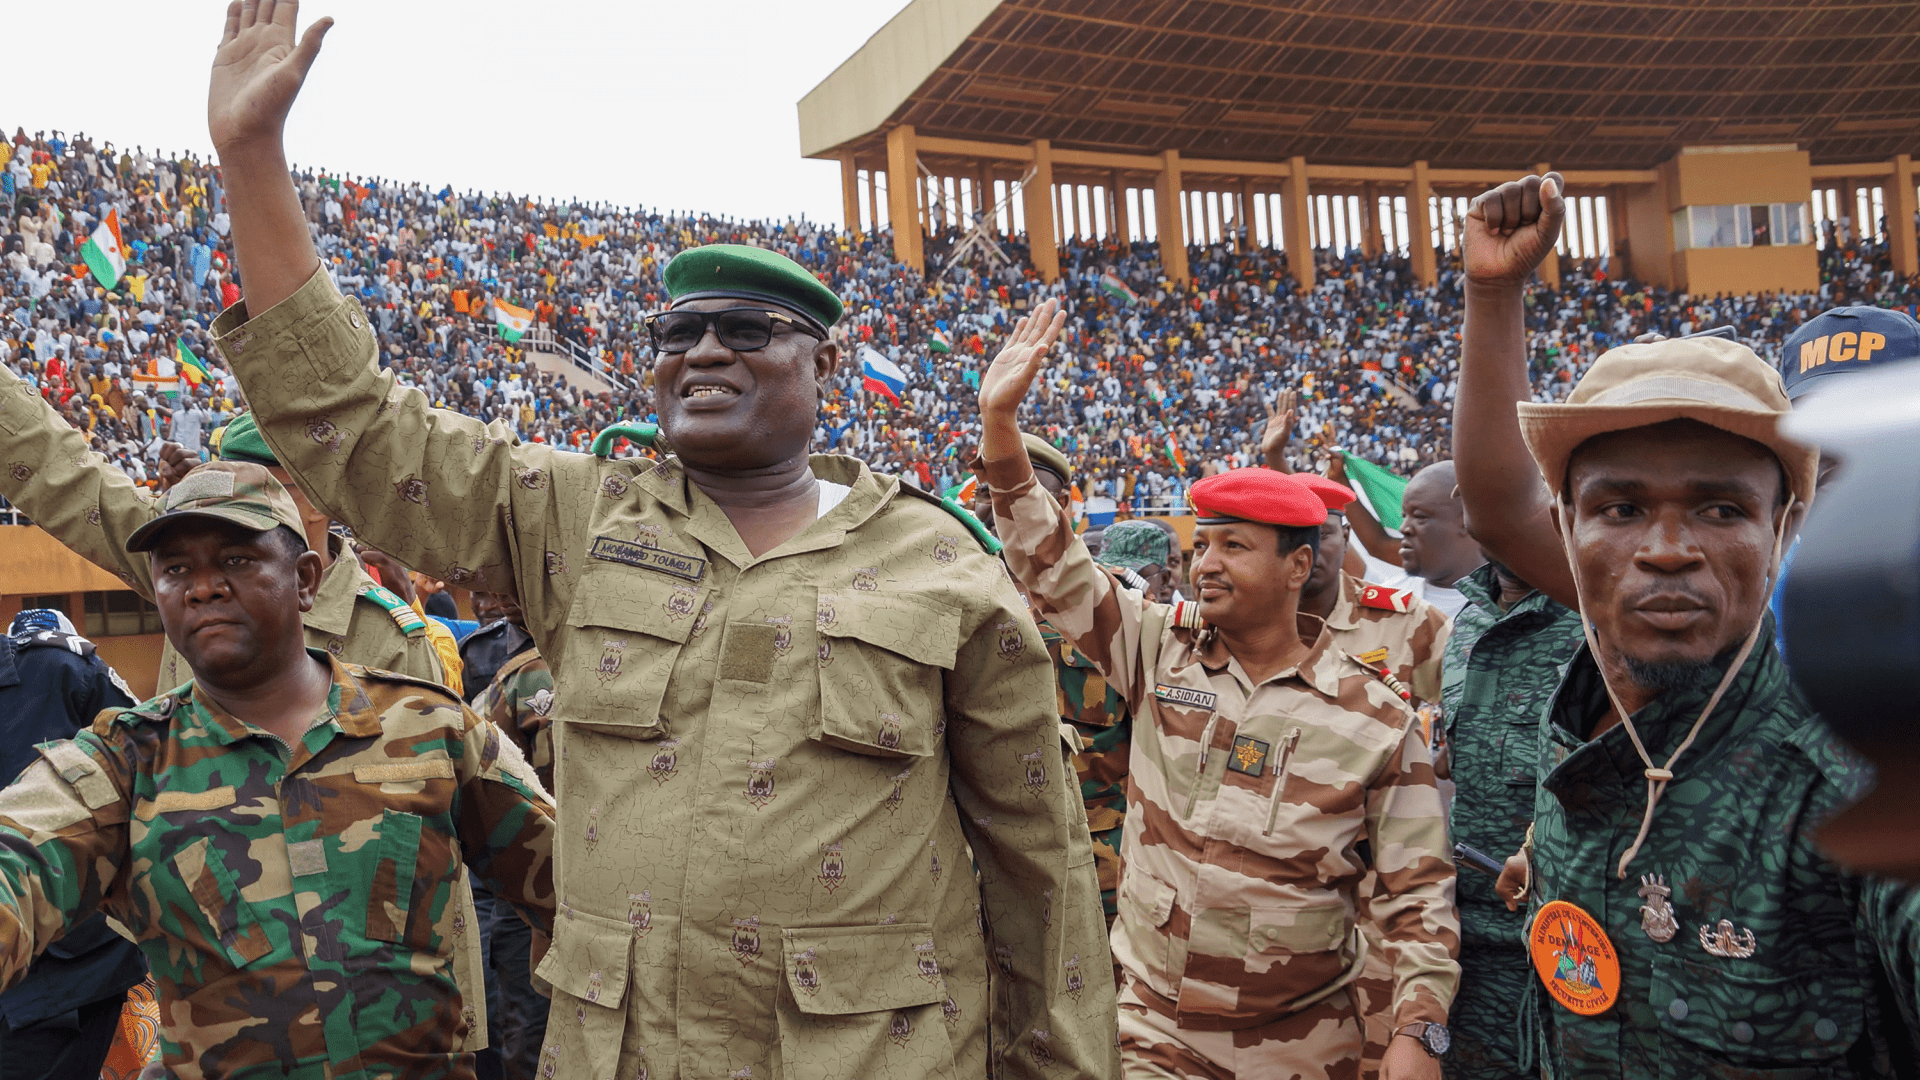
<point>520,702</point>
<point>1683,776</point>
<point>92,507</point>
<point>282,833</point>
<point>1501,665</point>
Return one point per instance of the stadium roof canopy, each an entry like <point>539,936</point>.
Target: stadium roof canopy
<point>1457,83</point>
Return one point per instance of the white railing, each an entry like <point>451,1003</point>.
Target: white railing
<point>544,339</point>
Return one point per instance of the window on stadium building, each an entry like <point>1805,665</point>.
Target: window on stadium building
<point>119,613</point>
<point>1741,225</point>
<point>56,601</point>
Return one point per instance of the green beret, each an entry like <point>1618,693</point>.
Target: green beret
<point>241,441</point>
<point>740,272</point>
<point>1045,455</point>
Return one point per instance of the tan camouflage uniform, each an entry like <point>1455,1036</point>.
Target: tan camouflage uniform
<point>295,903</point>
<point>92,507</point>
<point>1396,631</point>
<point>779,776</point>
<point>1238,905</point>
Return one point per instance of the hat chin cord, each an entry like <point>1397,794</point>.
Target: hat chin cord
<point>1659,777</point>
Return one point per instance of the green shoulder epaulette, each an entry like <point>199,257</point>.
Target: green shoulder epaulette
<point>408,620</point>
<point>644,434</point>
<point>974,525</point>
<point>158,707</point>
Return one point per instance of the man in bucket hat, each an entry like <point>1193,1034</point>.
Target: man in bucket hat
<point>1685,924</point>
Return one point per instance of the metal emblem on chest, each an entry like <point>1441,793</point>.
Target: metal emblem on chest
<point>1656,918</point>
<point>1724,941</point>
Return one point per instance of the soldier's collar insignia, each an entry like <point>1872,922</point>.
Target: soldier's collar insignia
<point>1574,958</point>
<point>1249,756</point>
<point>1656,918</point>
<point>628,553</point>
<point>1186,697</point>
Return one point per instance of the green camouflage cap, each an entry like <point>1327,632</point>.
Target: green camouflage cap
<point>1135,544</point>
<point>242,492</point>
<point>750,273</point>
<point>241,441</point>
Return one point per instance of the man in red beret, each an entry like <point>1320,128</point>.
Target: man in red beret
<point>1270,772</point>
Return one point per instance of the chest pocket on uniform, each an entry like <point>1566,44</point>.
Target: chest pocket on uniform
<point>883,661</point>
<point>216,894</point>
<point>1740,1018</point>
<point>624,632</point>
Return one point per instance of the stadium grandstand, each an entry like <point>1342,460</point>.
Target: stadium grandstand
<point>1056,149</point>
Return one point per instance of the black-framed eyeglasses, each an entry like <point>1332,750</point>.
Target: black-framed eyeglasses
<point>741,329</point>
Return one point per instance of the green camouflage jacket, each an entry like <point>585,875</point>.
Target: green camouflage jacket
<point>1103,725</point>
<point>520,702</point>
<point>295,904</point>
<point>1765,971</point>
<point>1501,669</point>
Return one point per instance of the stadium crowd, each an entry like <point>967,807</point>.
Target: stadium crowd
<point>1160,383</point>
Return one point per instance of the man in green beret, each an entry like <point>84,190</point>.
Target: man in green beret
<point>817,818</point>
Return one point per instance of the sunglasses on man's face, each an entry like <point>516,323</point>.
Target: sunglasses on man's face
<point>739,329</point>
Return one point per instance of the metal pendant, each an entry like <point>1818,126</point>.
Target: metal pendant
<point>1656,917</point>
<point>1723,941</point>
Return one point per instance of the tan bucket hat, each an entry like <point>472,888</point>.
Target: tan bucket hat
<point>1712,380</point>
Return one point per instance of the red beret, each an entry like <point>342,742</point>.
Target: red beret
<point>1262,495</point>
<point>1336,494</point>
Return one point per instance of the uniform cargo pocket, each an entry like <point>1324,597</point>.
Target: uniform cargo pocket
<point>864,1001</point>
<point>230,918</point>
<point>1738,1018</point>
<point>1288,929</point>
<point>624,633</point>
<point>587,966</point>
<point>390,896</point>
<point>1146,935</point>
<point>883,661</point>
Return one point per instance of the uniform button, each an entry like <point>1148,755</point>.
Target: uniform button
<point>1677,1008</point>
<point>1742,1032</point>
<point>1825,1029</point>
<point>355,320</point>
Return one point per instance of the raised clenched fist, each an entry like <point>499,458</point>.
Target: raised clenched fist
<point>1511,229</point>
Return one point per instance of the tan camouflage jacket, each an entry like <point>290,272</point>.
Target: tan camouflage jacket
<point>777,774</point>
<point>1255,810</point>
<point>1394,630</point>
<point>294,903</point>
<point>92,507</point>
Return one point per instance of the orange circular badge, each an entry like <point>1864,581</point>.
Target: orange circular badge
<point>1574,958</point>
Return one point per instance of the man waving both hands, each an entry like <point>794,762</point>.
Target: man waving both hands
<point>1270,772</point>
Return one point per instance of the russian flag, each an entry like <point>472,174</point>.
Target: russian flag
<point>883,376</point>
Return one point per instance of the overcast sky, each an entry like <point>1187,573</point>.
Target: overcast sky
<point>679,106</point>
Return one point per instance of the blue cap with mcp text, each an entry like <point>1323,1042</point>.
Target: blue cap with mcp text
<point>1846,339</point>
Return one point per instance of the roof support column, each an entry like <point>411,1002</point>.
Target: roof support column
<point>873,200</point>
<point>1371,244</point>
<point>1549,266</point>
<point>1122,217</point>
<point>1166,207</point>
<point>1900,226</point>
<point>1619,245</point>
<point>903,197</point>
<point>1039,197</point>
<point>1243,216</point>
<point>1299,223</point>
<point>1420,225</point>
<point>850,193</point>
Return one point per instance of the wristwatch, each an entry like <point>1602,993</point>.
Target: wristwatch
<point>1433,1038</point>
